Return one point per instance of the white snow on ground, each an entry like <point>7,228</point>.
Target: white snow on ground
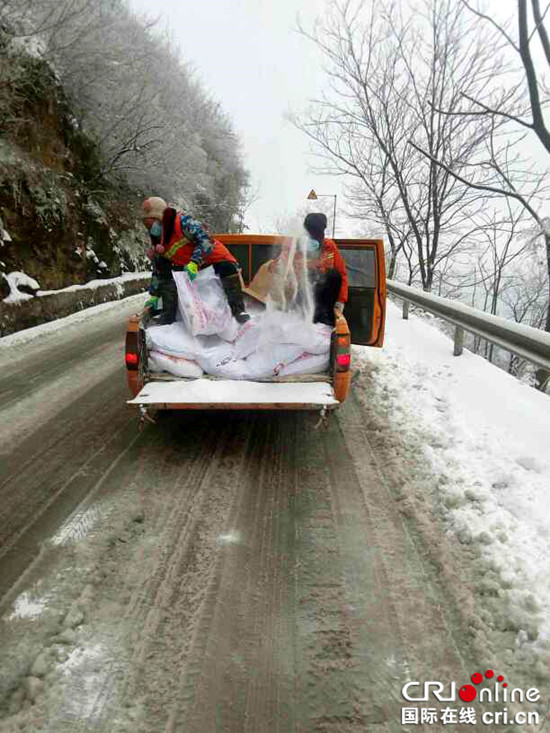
<point>16,280</point>
<point>95,284</point>
<point>27,606</point>
<point>30,334</point>
<point>485,436</point>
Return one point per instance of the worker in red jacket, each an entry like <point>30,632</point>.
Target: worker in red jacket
<point>326,273</point>
<point>330,285</point>
<point>186,245</point>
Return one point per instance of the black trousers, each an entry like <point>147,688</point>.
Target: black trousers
<point>326,289</point>
<point>168,291</point>
<point>225,268</point>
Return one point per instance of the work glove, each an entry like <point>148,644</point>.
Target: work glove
<point>151,304</point>
<point>192,269</point>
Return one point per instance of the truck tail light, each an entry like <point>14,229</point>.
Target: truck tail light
<point>131,356</point>
<point>343,356</point>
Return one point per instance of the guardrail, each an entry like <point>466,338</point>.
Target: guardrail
<point>527,342</point>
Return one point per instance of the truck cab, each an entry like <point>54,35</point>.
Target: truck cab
<point>363,324</point>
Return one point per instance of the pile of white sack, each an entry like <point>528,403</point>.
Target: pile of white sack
<point>207,339</point>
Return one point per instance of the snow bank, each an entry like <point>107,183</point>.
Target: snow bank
<point>95,284</point>
<point>485,438</point>
<point>46,329</point>
<point>29,312</point>
<point>15,281</point>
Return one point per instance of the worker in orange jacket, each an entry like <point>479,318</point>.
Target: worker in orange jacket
<point>330,286</point>
<point>326,268</point>
<point>184,244</point>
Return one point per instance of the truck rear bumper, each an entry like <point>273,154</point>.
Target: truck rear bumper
<point>224,394</point>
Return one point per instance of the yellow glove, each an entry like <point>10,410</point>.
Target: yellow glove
<point>192,269</point>
<point>151,304</point>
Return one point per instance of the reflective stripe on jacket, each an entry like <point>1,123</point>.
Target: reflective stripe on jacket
<point>331,259</point>
<point>190,242</point>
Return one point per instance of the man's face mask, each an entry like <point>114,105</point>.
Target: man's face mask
<point>156,229</point>
<point>312,247</point>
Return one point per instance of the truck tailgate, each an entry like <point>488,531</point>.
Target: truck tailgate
<point>225,394</point>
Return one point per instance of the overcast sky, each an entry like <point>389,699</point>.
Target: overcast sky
<point>250,56</point>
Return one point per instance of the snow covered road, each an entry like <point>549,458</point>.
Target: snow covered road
<point>235,572</point>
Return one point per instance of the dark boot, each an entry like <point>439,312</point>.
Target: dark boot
<point>325,294</point>
<point>169,294</point>
<point>232,286</point>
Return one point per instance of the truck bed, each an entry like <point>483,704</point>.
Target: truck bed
<point>163,391</point>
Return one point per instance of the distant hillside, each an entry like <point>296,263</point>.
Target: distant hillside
<point>66,222</point>
<point>96,112</point>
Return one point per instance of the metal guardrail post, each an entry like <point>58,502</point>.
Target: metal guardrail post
<point>459,341</point>
<point>406,310</point>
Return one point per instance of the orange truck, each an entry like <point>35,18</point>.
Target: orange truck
<point>363,324</point>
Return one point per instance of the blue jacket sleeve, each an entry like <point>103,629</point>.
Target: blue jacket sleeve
<point>197,234</point>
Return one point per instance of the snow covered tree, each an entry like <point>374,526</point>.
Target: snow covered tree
<point>390,75</point>
<point>515,107</point>
<point>155,125</point>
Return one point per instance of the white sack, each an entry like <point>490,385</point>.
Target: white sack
<point>306,364</point>
<point>232,370</point>
<point>316,340</point>
<point>203,304</point>
<point>247,338</point>
<point>173,339</point>
<point>269,345</point>
<point>159,362</point>
<point>270,360</point>
<point>277,327</point>
<point>214,353</point>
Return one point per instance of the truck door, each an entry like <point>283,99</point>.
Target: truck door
<point>366,307</point>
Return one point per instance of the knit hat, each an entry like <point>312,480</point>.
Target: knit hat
<point>315,225</point>
<point>153,208</point>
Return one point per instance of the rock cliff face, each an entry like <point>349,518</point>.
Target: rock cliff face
<point>67,223</point>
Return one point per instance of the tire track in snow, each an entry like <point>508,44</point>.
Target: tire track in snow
<point>36,497</point>
<point>421,593</point>
<point>233,679</point>
<point>271,584</point>
<point>26,377</point>
<point>172,591</point>
<point>179,531</point>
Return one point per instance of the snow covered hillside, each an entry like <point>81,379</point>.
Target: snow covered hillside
<point>474,443</point>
